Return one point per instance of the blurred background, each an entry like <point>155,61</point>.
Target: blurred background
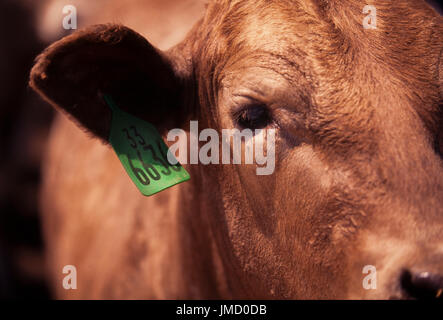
<point>26,28</point>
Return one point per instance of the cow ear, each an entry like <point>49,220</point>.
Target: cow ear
<point>74,73</point>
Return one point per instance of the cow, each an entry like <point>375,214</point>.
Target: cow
<point>358,177</point>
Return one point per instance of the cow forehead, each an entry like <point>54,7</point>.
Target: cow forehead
<point>262,25</point>
<point>286,35</point>
<point>264,34</point>
<point>317,28</point>
<point>328,45</point>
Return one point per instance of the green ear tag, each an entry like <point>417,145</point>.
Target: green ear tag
<point>142,152</point>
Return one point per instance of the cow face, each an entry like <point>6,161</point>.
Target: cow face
<point>358,172</point>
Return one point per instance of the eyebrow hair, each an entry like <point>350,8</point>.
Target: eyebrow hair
<point>292,65</point>
<point>289,70</point>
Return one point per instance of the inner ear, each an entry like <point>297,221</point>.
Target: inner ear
<point>74,73</point>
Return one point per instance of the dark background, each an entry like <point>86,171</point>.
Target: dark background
<point>24,125</point>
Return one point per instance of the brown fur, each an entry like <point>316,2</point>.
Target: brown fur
<point>357,181</point>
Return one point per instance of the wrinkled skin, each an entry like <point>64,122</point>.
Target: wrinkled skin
<point>358,178</point>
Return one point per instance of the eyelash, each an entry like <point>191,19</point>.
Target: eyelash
<point>252,117</point>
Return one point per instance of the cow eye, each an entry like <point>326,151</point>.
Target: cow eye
<point>252,117</point>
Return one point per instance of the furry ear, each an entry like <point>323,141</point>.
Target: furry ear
<point>75,72</point>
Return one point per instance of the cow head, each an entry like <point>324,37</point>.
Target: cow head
<point>359,175</point>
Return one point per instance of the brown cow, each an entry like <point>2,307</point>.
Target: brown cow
<point>358,178</point>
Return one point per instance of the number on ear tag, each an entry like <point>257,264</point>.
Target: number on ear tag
<point>142,152</point>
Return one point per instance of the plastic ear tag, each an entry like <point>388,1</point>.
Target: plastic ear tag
<point>142,152</point>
